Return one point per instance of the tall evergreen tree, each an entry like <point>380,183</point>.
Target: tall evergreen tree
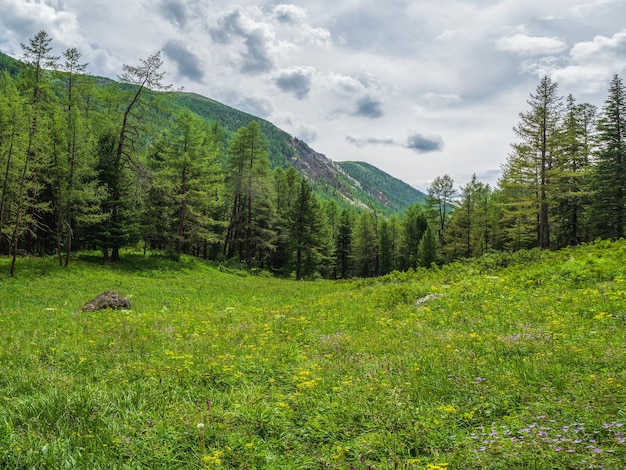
<point>187,170</point>
<point>470,228</point>
<point>343,245</point>
<point>142,79</point>
<point>12,136</point>
<point>609,177</point>
<point>428,250</point>
<point>570,173</point>
<point>37,57</point>
<point>305,229</point>
<point>528,169</point>
<point>365,247</point>
<point>441,194</point>
<point>250,235</point>
<point>414,225</point>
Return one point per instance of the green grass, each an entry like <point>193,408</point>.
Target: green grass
<point>521,366</point>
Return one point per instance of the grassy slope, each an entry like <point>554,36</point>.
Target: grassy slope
<point>516,367</point>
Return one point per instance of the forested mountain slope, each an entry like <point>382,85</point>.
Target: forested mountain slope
<point>365,188</point>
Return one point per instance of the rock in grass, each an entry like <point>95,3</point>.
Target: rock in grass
<point>424,300</point>
<point>109,299</point>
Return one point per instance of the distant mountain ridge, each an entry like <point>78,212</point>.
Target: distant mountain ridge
<point>349,183</point>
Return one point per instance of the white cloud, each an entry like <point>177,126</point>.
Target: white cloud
<point>525,45</point>
<point>448,68</point>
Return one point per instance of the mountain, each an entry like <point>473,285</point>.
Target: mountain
<point>390,191</point>
<point>356,183</point>
<point>349,183</point>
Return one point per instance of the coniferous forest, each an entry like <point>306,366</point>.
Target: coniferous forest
<point>91,164</point>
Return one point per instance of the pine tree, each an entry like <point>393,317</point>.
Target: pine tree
<point>609,176</point>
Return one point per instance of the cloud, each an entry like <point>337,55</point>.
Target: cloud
<point>589,7</point>
<point>368,107</point>
<point>524,45</point>
<point>589,66</point>
<point>601,48</point>
<point>21,20</point>
<point>256,105</point>
<point>257,39</point>
<point>415,142</point>
<point>424,144</point>
<point>294,18</point>
<point>289,14</point>
<point>296,80</point>
<point>360,142</point>
<point>187,62</point>
<point>306,133</point>
<point>175,11</point>
<point>439,100</point>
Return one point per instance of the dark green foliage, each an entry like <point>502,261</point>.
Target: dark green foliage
<point>414,225</point>
<point>343,245</point>
<point>428,248</point>
<point>250,236</point>
<point>609,174</point>
<point>89,163</point>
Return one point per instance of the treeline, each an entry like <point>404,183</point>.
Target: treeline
<point>92,166</point>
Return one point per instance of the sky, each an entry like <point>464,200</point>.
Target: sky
<point>418,88</point>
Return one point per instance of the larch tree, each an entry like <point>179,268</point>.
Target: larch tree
<point>528,169</point>
<point>570,173</point>
<point>441,196</point>
<point>609,176</point>
<point>37,58</point>
<point>250,235</point>
<point>142,78</point>
<point>343,245</point>
<point>186,166</point>
<point>13,121</point>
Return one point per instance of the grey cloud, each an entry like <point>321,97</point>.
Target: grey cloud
<point>257,106</point>
<point>368,107</point>
<point>424,144</point>
<point>175,11</point>
<point>297,81</point>
<point>416,142</point>
<point>365,141</point>
<point>256,58</point>
<point>288,14</point>
<point>307,134</point>
<point>187,62</point>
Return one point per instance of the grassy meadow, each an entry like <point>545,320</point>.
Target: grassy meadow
<point>517,361</point>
